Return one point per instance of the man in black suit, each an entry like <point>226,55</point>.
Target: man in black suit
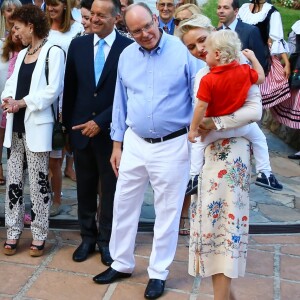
<point>39,3</point>
<point>249,35</point>
<point>87,111</point>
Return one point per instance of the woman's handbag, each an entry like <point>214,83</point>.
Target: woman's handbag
<point>58,134</point>
<point>295,74</point>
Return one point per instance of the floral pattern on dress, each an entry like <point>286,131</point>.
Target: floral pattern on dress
<point>220,211</point>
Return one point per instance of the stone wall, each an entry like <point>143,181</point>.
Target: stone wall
<point>289,135</point>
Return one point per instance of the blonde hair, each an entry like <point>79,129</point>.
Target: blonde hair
<point>194,22</point>
<point>227,43</point>
<point>4,5</point>
<point>194,9</point>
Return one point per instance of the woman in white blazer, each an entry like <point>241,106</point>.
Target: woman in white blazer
<point>27,98</point>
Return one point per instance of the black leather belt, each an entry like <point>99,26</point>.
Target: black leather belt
<point>167,137</point>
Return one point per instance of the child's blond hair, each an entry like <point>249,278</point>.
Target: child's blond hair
<point>227,42</point>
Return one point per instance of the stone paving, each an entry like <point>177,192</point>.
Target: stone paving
<point>272,271</point>
<point>272,267</point>
<point>267,207</point>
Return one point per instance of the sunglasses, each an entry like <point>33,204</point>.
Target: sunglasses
<point>177,21</point>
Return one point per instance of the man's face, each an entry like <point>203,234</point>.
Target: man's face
<point>124,4</point>
<point>143,27</point>
<point>166,9</point>
<point>102,20</point>
<point>225,12</point>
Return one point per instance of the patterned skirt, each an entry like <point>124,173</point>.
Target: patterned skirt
<point>288,112</point>
<point>220,213</point>
<point>275,88</point>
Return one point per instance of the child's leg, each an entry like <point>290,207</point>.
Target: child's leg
<point>197,157</point>
<point>260,149</point>
<point>197,151</point>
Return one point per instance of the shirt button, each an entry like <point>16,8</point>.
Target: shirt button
<point>94,114</point>
<point>95,94</point>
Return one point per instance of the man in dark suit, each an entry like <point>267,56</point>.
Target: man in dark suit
<point>87,111</point>
<point>249,35</point>
<point>39,3</point>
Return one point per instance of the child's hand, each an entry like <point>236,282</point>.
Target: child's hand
<point>203,133</point>
<point>249,54</point>
<point>193,134</point>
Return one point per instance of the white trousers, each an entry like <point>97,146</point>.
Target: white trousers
<point>251,132</point>
<point>166,166</point>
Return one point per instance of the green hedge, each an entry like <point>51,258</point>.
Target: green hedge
<point>289,16</point>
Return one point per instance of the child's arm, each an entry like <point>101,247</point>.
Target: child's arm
<point>199,113</point>
<point>255,65</point>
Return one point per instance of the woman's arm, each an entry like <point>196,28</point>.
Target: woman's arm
<point>250,112</point>
<point>42,98</point>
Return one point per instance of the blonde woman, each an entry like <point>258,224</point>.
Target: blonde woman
<point>7,9</point>
<point>63,28</point>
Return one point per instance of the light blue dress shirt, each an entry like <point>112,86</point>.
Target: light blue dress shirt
<point>154,90</point>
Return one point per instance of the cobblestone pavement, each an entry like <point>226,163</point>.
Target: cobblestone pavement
<point>272,267</point>
<point>272,271</point>
<point>267,207</point>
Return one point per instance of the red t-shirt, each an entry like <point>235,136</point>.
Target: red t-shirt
<point>226,87</point>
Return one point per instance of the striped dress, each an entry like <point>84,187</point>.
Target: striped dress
<point>288,112</point>
<point>275,89</point>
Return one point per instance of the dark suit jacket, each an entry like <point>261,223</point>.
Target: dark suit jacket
<point>83,100</point>
<point>30,2</point>
<point>251,39</point>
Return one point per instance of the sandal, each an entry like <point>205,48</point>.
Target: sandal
<point>70,176</point>
<point>12,250</point>
<point>36,251</point>
<point>2,178</point>
<point>184,228</point>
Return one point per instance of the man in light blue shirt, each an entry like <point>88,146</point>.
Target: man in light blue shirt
<point>151,114</point>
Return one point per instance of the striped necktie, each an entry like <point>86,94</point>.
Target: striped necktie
<point>166,28</point>
<point>99,60</point>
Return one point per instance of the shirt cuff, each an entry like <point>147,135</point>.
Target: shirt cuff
<point>116,134</point>
<point>279,47</point>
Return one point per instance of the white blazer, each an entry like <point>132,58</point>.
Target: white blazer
<point>38,118</point>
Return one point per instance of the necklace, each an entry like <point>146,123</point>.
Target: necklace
<point>37,48</point>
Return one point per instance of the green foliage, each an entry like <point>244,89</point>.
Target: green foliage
<point>288,15</point>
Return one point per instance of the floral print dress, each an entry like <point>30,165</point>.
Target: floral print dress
<point>220,213</point>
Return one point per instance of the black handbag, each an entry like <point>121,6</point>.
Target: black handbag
<point>294,79</point>
<point>59,132</point>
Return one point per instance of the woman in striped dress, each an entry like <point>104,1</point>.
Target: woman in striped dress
<point>265,16</point>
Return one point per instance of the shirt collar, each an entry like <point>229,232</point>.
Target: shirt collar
<point>162,24</point>
<point>109,39</point>
<point>232,25</point>
<point>160,45</point>
<point>222,68</point>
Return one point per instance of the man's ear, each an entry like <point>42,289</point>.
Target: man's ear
<point>118,18</point>
<point>155,19</point>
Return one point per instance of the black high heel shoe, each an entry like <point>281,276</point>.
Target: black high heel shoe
<point>37,251</point>
<point>12,248</point>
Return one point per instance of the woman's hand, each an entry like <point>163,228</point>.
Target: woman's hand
<point>10,105</point>
<point>287,71</point>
